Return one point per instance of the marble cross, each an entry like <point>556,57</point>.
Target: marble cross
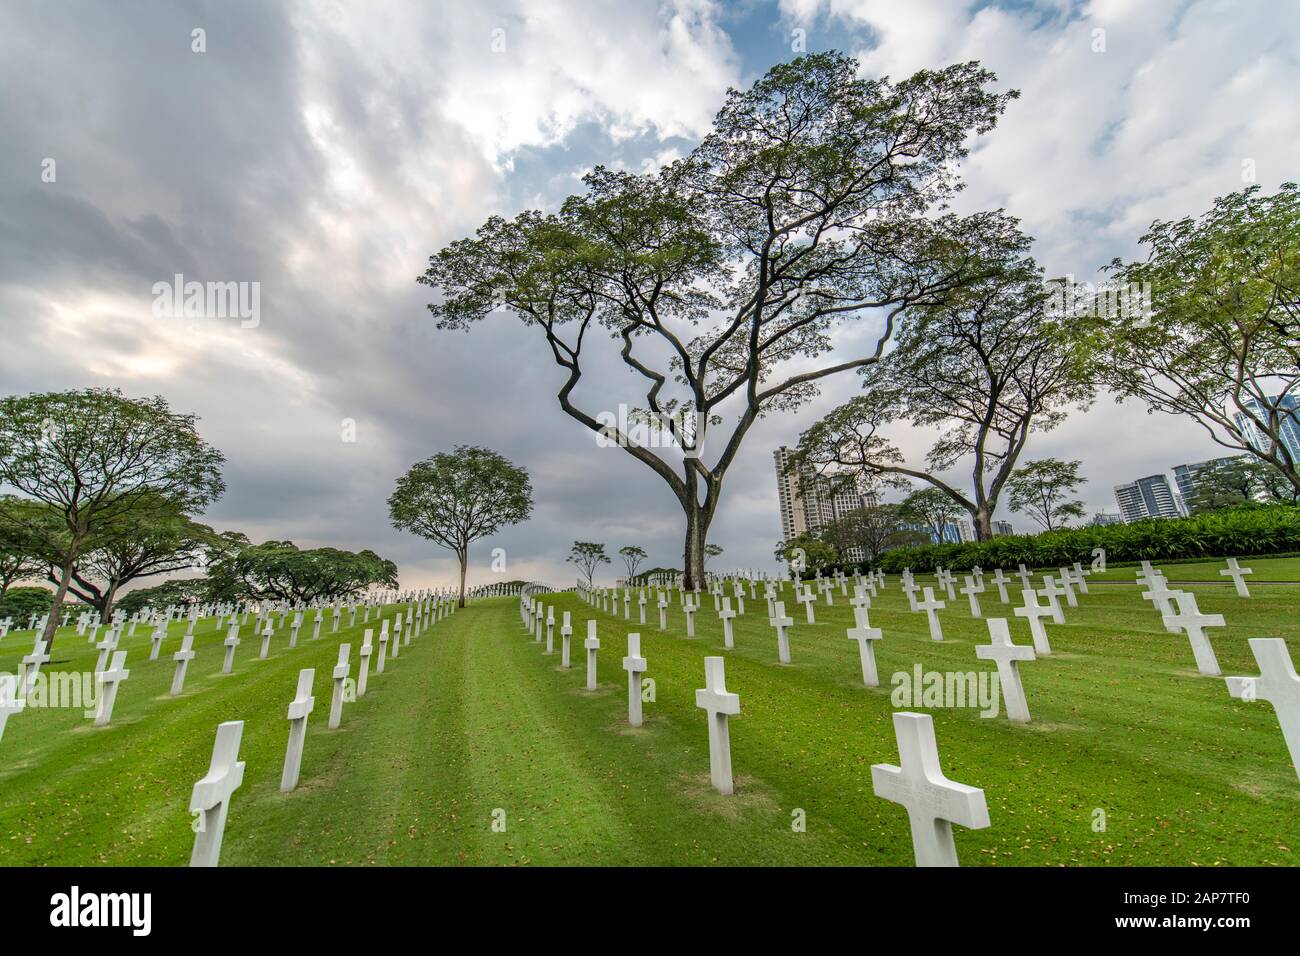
<point>641,602</point>
<point>299,709</point>
<point>550,629</point>
<point>182,659</point>
<point>383,646</point>
<point>156,639</point>
<point>635,666</point>
<point>109,680</point>
<point>663,612</point>
<point>910,588</point>
<point>592,644</point>
<point>1238,575</point>
<point>32,666</point>
<point>340,675</point>
<point>1159,594</point>
<point>934,803</point>
<point>689,611</point>
<point>1034,613</point>
<point>807,600</point>
<point>782,623</point>
<point>720,704</point>
<point>396,646</point>
<point>231,642</point>
<point>1008,657</point>
<point>930,606</point>
<point>566,632</point>
<point>11,702</point>
<point>211,795</point>
<point>267,631</point>
<point>1278,684</point>
<point>860,597</point>
<point>1053,591</point>
<point>865,634</point>
<point>1190,619</point>
<point>1026,579</point>
<point>726,615</point>
<point>367,648</point>
<point>972,589</point>
<point>1067,580</point>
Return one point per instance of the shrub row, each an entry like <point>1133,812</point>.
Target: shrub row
<point>1273,529</point>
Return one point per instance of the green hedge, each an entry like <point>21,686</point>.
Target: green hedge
<point>1272,529</point>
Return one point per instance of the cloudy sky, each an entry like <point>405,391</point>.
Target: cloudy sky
<point>325,149</point>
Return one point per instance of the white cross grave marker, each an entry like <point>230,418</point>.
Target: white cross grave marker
<point>299,709</point>
<point>341,671</point>
<point>1190,619</point>
<point>1008,657</point>
<point>934,803</point>
<point>727,615</point>
<point>781,623</point>
<point>720,704</point>
<point>367,648</point>
<point>1278,684</point>
<point>972,589</point>
<point>635,666</point>
<point>231,642</point>
<point>592,644</point>
<point>109,680</point>
<point>930,605</point>
<point>1034,613</point>
<point>566,631</point>
<point>182,659</point>
<point>865,634</point>
<point>211,795</point>
<point>11,702</point>
<point>1238,575</point>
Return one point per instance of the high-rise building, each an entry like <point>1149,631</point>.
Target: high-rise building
<point>1288,407</point>
<point>1102,518</point>
<point>1185,475</point>
<point>809,502</point>
<point>1149,497</point>
<point>1003,527</point>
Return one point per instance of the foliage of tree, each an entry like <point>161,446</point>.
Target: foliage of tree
<point>873,530</point>
<point>1042,490</point>
<point>588,556</point>
<point>632,557</point>
<point>1223,343</point>
<point>150,541</point>
<point>281,571</point>
<point>930,508</point>
<point>711,551</point>
<point>20,603</point>
<point>21,557</point>
<point>815,203</point>
<point>987,367</point>
<point>178,592</point>
<point>96,457</point>
<point>806,554</point>
<point>455,498</point>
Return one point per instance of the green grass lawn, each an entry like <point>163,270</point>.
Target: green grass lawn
<point>473,719</point>
<point>1265,569</point>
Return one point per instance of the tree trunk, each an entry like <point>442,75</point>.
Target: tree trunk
<point>982,519</point>
<point>106,604</point>
<point>464,560</point>
<point>56,606</point>
<point>697,531</point>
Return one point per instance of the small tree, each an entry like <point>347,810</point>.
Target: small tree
<point>806,553</point>
<point>632,557</point>
<point>1223,343</point>
<point>587,555</point>
<point>95,458</point>
<point>1042,490</point>
<point>932,509</point>
<point>987,368</point>
<point>711,551</point>
<point>873,530</point>
<point>457,497</point>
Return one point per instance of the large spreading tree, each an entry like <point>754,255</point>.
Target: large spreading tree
<point>455,498</point>
<point>281,571</point>
<point>984,369</point>
<point>95,458</point>
<point>1222,343</point>
<point>814,205</point>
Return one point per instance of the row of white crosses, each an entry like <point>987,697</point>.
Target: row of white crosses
<point>1278,683</point>
<point>212,794</point>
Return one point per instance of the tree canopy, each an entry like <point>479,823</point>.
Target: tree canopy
<point>94,458</point>
<point>1222,344</point>
<point>281,571</point>
<point>816,202</point>
<point>1042,490</point>
<point>455,498</point>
